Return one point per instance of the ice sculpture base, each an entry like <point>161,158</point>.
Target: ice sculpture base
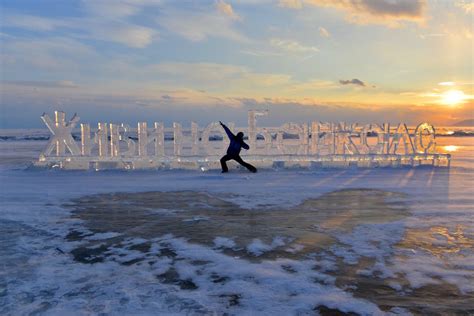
<point>271,162</point>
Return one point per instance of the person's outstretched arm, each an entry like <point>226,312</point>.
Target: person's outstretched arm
<point>227,130</point>
<point>245,146</point>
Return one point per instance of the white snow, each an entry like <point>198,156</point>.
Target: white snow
<point>223,242</point>
<point>258,247</point>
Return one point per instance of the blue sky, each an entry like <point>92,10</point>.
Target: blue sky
<point>131,60</point>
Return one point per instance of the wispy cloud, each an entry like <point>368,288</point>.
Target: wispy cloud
<point>292,46</point>
<point>261,53</point>
<point>293,4</point>
<point>42,84</point>
<point>91,27</point>
<point>49,53</point>
<point>34,23</point>
<point>135,36</point>
<point>227,9</point>
<point>198,25</point>
<point>323,32</point>
<point>115,9</point>
<point>222,77</point>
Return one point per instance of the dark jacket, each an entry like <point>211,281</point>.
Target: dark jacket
<point>236,142</point>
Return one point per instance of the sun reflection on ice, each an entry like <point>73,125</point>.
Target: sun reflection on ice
<point>438,240</point>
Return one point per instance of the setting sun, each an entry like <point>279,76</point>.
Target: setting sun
<point>453,97</point>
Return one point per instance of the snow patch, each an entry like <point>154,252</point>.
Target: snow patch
<point>223,242</point>
<point>258,247</point>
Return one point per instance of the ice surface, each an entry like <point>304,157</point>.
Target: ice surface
<point>421,260</point>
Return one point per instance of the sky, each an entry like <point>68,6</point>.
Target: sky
<point>303,60</point>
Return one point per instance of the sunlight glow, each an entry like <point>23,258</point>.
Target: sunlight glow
<point>446,83</point>
<point>450,148</point>
<point>453,97</point>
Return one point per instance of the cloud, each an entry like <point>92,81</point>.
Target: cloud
<point>386,12</point>
<point>134,36</point>
<point>311,86</point>
<point>226,9</point>
<point>447,83</point>
<point>467,6</point>
<point>109,20</point>
<point>356,82</point>
<point>217,77</point>
<point>292,46</point>
<point>184,105</point>
<point>261,53</point>
<point>110,26</point>
<point>112,9</point>
<point>323,32</point>
<point>292,4</point>
<point>34,23</point>
<point>129,105</point>
<point>42,84</point>
<point>198,72</point>
<point>52,54</point>
<point>198,25</point>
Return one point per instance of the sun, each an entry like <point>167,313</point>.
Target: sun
<point>452,97</point>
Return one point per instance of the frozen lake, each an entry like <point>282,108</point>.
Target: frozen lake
<point>363,241</point>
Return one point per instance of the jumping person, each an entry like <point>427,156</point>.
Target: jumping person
<point>233,152</point>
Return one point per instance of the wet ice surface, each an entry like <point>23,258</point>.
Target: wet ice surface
<point>278,242</point>
<point>265,232</point>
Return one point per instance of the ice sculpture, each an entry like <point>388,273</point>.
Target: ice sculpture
<point>321,144</point>
<point>62,136</point>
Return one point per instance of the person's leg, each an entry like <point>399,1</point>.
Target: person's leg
<point>245,164</point>
<point>223,163</point>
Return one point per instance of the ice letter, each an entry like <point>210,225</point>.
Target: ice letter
<point>103,140</point>
<point>194,138</point>
<point>114,140</point>
<point>62,137</point>
<point>425,138</point>
<point>292,146</point>
<point>382,132</point>
<point>314,138</point>
<point>86,139</point>
<point>177,138</point>
<point>125,137</point>
<point>344,143</point>
<point>401,134</point>
<point>325,139</point>
<point>142,139</point>
<point>159,139</point>
<point>252,128</point>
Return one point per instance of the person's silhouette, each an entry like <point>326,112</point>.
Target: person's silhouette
<point>233,152</point>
